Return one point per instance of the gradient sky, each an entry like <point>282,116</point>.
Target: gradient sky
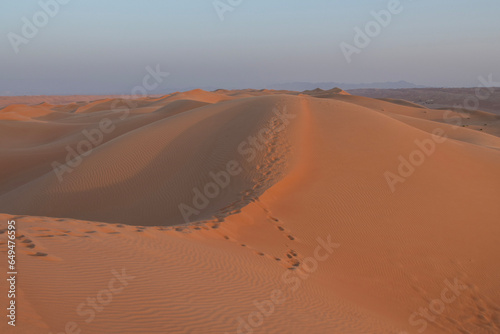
<point>103,47</point>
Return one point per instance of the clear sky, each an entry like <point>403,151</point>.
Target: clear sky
<point>103,47</point>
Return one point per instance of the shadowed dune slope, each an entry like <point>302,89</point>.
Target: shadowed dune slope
<point>148,172</point>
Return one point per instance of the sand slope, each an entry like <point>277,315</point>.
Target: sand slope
<point>306,217</point>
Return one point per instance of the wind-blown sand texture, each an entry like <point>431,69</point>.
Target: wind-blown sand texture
<point>315,187</point>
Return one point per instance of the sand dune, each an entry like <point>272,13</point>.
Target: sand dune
<point>253,212</point>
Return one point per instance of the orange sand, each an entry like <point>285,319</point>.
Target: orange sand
<point>305,236</point>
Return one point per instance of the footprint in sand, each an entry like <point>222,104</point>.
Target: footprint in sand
<point>39,254</point>
<point>29,243</point>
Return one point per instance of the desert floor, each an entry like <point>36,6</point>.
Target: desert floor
<point>251,212</point>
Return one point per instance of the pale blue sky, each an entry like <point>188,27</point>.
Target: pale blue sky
<point>101,47</point>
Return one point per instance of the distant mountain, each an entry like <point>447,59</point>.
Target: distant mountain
<point>301,86</point>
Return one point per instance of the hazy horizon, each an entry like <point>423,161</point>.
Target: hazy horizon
<point>104,48</point>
